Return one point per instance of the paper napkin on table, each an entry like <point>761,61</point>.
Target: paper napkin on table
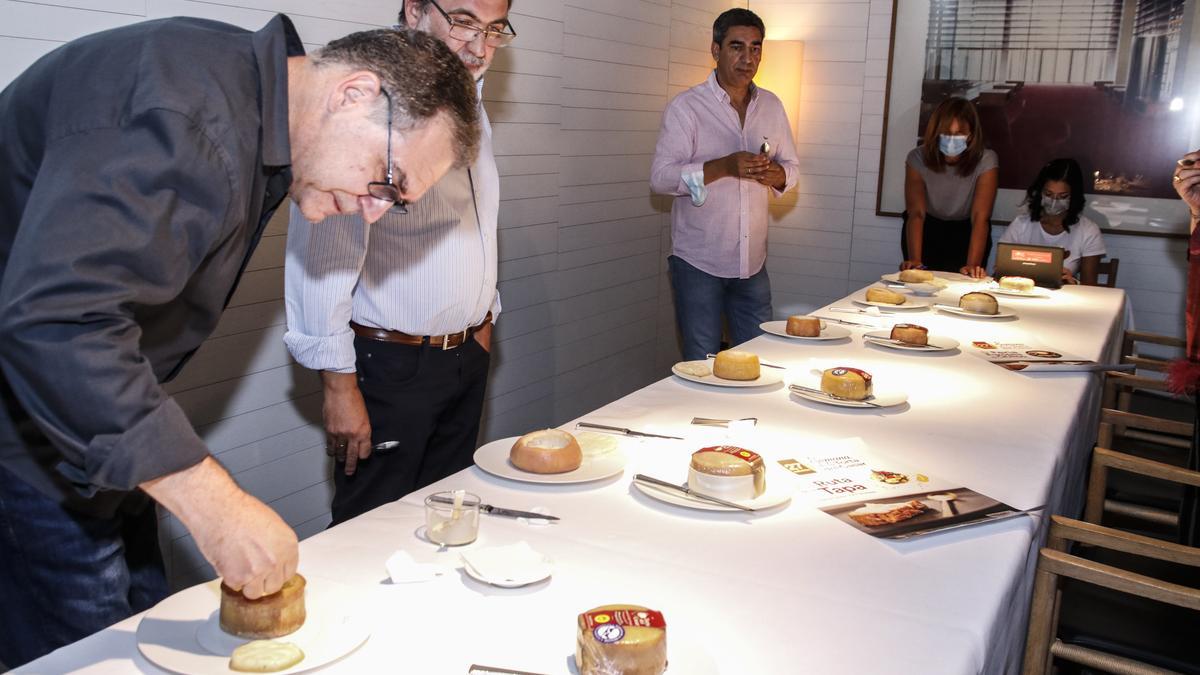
<point>402,569</point>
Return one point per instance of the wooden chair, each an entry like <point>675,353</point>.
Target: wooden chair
<point>1108,269</point>
<point>1148,376</point>
<point>1042,644</point>
<point>1115,424</point>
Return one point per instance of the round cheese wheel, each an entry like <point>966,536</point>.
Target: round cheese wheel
<point>625,639</point>
<point>265,656</point>
<point>270,616</point>
<point>727,471</point>
<point>916,276</point>
<point>849,383</point>
<point>546,451</point>
<point>979,303</point>
<point>1017,283</point>
<point>735,365</point>
<point>888,297</point>
<point>910,333</point>
<point>803,326</point>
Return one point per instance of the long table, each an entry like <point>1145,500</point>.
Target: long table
<point>785,591</point>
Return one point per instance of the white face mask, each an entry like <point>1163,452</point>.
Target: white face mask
<point>952,146</point>
<point>1055,207</point>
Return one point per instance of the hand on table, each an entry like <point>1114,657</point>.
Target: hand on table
<point>347,427</point>
<point>911,265</point>
<point>973,271</point>
<point>1068,278</point>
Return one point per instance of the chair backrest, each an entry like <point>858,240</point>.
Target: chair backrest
<point>1108,269</point>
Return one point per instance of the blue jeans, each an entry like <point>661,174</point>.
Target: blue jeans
<point>700,299</point>
<point>64,576</point>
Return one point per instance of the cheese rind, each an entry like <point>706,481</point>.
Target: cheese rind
<point>885,296</point>
<point>546,451</point>
<point>1017,283</point>
<point>916,276</point>
<point>270,616</point>
<point>979,302</point>
<point>848,383</point>
<point>621,640</point>
<point>910,333</point>
<point>803,326</point>
<point>736,365</point>
<point>727,471</point>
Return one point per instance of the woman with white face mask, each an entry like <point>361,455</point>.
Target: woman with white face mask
<point>949,188</point>
<point>1053,204</point>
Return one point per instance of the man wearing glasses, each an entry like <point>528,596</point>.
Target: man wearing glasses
<point>397,316</point>
<point>138,168</point>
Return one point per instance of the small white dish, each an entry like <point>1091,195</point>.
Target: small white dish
<point>829,331</point>
<point>937,343</point>
<point>510,566</point>
<point>766,376</point>
<point>493,458</point>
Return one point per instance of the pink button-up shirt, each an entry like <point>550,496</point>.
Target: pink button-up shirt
<point>727,235</point>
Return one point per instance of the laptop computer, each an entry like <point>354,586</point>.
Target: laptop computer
<point>1043,264</point>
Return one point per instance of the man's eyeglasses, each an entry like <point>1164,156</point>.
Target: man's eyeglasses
<point>469,32</point>
<point>387,191</point>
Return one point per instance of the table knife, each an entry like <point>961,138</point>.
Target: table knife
<point>818,392</point>
<point>762,363</point>
<point>498,511</point>
<point>848,323</point>
<point>689,492</point>
<point>712,422</point>
<point>902,343</point>
<point>623,430</point>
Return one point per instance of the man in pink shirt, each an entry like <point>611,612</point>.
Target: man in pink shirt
<point>725,144</point>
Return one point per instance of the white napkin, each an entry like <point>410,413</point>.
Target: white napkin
<point>402,569</point>
<point>508,564</point>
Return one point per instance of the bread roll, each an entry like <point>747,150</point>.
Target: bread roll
<point>265,656</point>
<point>877,294</point>
<point>621,639</point>
<point>728,472</point>
<point>979,303</point>
<point>270,616</point>
<point>546,451</point>
<point>848,383</point>
<point>735,365</point>
<point>803,326</point>
<point>910,333</point>
<point>916,276</point>
<point>1017,283</point>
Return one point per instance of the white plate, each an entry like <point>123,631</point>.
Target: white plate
<point>493,458</point>
<point>937,343</point>
<point>942,277</point>
<point>182,633</point>
<point>530,575</point>
<point>1035,293</point>
<point>685,656</point>
<point>962,312</point>
<point>829,331</point>
<point>770,498</point>
<point>887,399</point>
<point>910,302</point>
<point>765,377</point>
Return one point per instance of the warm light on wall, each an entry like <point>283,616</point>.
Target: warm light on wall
<point>779,72</point>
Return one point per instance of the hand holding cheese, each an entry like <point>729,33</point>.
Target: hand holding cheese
<point>270,616</point>
<point>735,365</point>
<point>848,383</point>
<point>546,451</point>
<point>885,296</point>
<point>979,303</point>
<point>621,640</point>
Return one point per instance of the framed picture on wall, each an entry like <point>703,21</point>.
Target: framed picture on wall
<point>1115,84</point>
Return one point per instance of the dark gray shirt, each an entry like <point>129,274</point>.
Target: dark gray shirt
<point>948,195</point>
<point>138,167</point>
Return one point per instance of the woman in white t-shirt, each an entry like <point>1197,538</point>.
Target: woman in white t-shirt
<point>1054,203</point>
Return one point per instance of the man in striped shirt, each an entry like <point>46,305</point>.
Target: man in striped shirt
<point>397,316</point>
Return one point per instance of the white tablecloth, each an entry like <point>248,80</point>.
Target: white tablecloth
<point>792,590</point>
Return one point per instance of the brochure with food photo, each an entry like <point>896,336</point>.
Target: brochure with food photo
<point>1018,356</point>
<point>886,499</point>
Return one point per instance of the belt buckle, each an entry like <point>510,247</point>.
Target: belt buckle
<point>446,346</point>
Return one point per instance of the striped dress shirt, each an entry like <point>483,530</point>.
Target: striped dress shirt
<point>431,271</point>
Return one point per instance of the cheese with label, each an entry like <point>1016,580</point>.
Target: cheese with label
<point>621,640</point>
<point>848,383</point>
<point>728,472</point>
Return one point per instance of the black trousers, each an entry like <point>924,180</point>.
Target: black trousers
<point>1189,513</point>
<point>944,243</point>
<point>428,399</point>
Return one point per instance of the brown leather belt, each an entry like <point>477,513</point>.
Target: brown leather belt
<point>444,342</point>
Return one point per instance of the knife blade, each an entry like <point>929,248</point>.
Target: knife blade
<point>623,430</point>
<point>689,492</point>
<point>712,422</point>
<point>765,364</point>
<point>810,390</point>
<point>902,343</point>
<point>848,323</point>
<point>497,511</point>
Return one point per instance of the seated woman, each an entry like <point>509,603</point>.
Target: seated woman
<point>949,188</point>
<point>1054,203</point>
